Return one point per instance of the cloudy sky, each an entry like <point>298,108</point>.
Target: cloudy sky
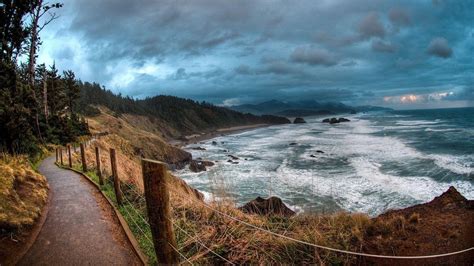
<point>402,54</point>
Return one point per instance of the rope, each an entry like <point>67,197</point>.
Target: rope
<point>143,232</point>
<point>334,249</point>
<point>199,242</point>
<point>181,254</point>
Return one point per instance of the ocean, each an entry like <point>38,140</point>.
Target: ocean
<point>378,161</point>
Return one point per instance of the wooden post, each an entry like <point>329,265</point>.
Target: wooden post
<point>159,213</point>
<point>69,154</point>
<point>83,158</point>
<point>97,159</point>
<point>57,155</point>
<point>113,164</point>
<point>61,155</point>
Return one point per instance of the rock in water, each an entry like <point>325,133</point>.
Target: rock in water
<point>270,206</point>
<point>299,120</point>
<point>334,120</point>
<point>198,148</point>
<point>233,157</point>
<point>197,166</point>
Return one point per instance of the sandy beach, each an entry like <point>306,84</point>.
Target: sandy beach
<point>196,138</point>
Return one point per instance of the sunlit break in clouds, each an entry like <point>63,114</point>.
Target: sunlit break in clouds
<point>388,53</point>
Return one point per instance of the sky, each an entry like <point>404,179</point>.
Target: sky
<point>400,54</point>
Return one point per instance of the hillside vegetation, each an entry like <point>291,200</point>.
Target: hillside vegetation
<point>174,117</point>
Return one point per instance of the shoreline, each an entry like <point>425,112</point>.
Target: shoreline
<point>196,138</point>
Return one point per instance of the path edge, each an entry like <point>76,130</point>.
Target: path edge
<point>131,238</point>
<point>37,228</point>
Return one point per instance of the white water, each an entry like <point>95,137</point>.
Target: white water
<point>361,170</point>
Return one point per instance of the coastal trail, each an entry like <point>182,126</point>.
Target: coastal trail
<point>80,228</point>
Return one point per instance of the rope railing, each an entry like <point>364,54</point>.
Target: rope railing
<point>136,216</point>
<point>199,242</point>
<point>325,247</point>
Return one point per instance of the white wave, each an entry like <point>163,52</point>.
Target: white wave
<point>349,171</point>
<point>462,165</point>
<point>417,122</point>
<point>440,130</point>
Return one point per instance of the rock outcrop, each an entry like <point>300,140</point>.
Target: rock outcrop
<point>270,206</point>
<point>299,120</point>
<point>198,148</point>
<point>199,166</point>
<point>334,120</point>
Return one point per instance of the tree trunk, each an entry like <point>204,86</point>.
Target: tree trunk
<point>45,96</point>
<point>33,42</point>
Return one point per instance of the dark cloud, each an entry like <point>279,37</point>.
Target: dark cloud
<point>313,56</point>
<point>439,47</point>
<point>371,26</point>
<point>399,17</point>
<point>180,74</point>
<point>384,47</point>
<point>243,70</point>
<point>252,50</point>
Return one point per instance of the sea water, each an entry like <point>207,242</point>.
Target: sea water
<point>378,161</point>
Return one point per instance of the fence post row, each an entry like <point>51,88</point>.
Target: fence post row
<point>159,213</point>
<point>113,164</point>
<point>99,172</point>
<point>61,155</point>
<point>69,154</point>
<point>83,158</point>
<point>57,155</point>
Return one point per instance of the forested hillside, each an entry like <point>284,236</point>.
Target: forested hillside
<point>183,115</point>
<point>36,102</point>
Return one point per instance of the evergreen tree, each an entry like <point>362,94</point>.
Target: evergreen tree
<point>72,90</point>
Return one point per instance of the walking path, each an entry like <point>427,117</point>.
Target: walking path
<point>80,228</point>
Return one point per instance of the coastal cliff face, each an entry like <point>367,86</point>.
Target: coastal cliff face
<point>142,134</point>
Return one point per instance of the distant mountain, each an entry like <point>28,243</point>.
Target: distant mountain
<point>302,108</point>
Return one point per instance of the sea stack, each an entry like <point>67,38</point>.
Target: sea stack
<point>270,206</point>
<point>299,120</point>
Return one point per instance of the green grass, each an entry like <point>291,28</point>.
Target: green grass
<point>132,212</point>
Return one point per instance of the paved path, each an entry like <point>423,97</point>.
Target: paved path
<point>80,228</point>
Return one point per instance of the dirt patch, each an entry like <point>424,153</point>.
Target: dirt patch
<point>443,225</point>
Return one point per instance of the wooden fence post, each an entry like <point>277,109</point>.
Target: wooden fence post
<point>57,155</point>
<point>83,158</point>
<point>159,213</point>
<point>99,172</point>
<point>113,164</point>
<point>69,154</point>
<point>61,155</point>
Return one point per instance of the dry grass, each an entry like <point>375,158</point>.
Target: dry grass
<point>242,244</point>
<point>230,239</point>
<point>23,192</point>
<point>141,132</point>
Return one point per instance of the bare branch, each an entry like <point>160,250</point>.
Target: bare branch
<point>53,17</point>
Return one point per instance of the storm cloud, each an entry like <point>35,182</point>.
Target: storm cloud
<point>440,47</point>
<point>228,52</point>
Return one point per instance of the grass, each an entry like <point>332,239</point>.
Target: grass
<point>198,229</point>
<point>23,192</point>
